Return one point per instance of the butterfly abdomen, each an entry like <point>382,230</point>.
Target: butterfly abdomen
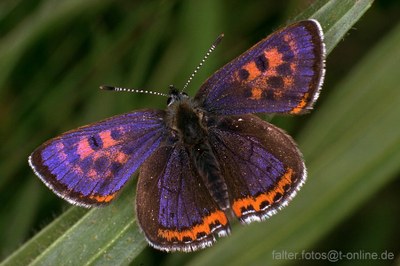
<point>194,135</point>
<point>208,168</point>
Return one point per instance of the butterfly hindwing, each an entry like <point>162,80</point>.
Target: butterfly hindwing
<point>89,165</point>
<point>281,74</point>
<point>174,208</point>
<point>261,165</point>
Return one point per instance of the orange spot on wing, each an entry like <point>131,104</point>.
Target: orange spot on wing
<point>278,94</point>
<point>292,43</point>
<point>84,149</point>
<point>301,104</point>
<point>253,70</point>
<point>204,227</point>
<point>288,81</point>
<point>256,93</point>
<point>274,58</point>
<point>59,146</point>
<point>107,140</point>
<point>105,199</point>
<point>293,67</point>
<point>60,151</point>
<point>255,202</point>
<point>122,157</point>
<point>77,170</point>
<point>92,173</point>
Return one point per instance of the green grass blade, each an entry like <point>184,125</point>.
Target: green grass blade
<point>99,236</point>
<point>336,17</point>
<point>35,246</point>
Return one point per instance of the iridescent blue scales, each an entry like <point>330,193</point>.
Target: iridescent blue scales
<point>204,157</point>
<point>87,166</point>
<point>282,74</point>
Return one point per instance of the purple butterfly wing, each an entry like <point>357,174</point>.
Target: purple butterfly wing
<point>89,165</point>
<point>261,165</point>
<point>174,208</point>
<point>283,73</point>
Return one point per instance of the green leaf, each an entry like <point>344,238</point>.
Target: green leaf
<point>99,236</point>
<point>336,17</point>
<point>111,236</point>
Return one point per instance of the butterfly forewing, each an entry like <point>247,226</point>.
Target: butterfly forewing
<point>281,74</point>
<point>89,165</point>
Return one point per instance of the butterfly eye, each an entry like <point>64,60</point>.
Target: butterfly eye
<point>175,95</point>
<point>171,99</point>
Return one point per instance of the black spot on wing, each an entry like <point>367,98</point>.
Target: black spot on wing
<point>95,142</point>
<point>278,196</point>
<point>284,69</point>
<point>115,167</point>
<point>101,163</point>
<point>264,204</point>
<point>247,93</point>
<point>116,134</point>
<point>243,74</point>
<point>262,63</point>
<point>275,82</point>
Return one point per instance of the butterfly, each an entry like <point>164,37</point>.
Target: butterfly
<point>205,158</point>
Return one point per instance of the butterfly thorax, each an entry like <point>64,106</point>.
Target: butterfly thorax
<point>187,123</point>
<point>185,119</point>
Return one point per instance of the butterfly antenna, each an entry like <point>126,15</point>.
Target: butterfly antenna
<point>212,48</point>
<point>111,88</point>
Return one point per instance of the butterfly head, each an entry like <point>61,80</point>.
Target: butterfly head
<point>175,95</point>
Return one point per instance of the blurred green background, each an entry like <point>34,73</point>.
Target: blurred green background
<point>55,54</point>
